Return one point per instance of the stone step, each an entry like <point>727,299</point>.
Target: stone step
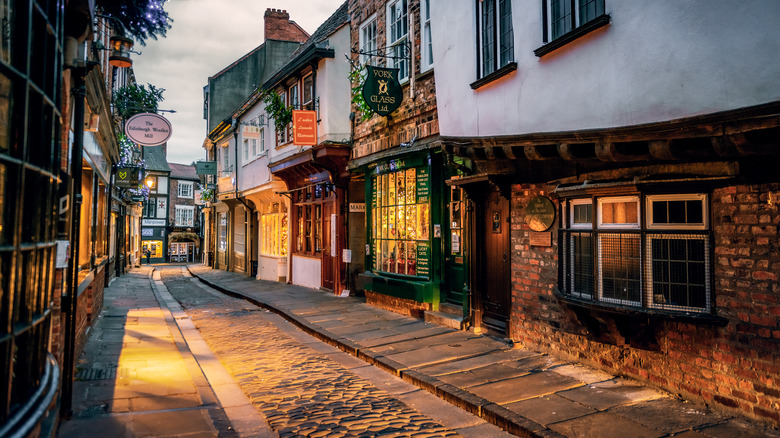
<point>445,319</point>
<point>452,309</point>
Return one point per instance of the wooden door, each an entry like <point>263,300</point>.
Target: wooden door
<point>495,281</point>
<point>327,257</point>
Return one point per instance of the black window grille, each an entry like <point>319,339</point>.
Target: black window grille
<point>563,16</point>
<point>30,83</point>
<point>664,264</point>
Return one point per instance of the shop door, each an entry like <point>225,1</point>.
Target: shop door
<point>495,280</point>
<point>455,268</point>
<point>327,259</point>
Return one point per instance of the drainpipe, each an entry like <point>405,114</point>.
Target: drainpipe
<point>70,297</point>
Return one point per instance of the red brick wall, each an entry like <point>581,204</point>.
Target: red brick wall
<point>735,367</point>
<point>279,27</point>
<point>417,116</point>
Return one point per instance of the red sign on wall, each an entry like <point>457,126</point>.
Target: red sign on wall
<point>304,128</point>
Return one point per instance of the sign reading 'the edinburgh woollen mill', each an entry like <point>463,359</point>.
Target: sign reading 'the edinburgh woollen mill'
<point>381,91</point>
<point>148,129</point>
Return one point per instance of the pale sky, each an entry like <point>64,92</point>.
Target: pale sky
<point>207,36</point>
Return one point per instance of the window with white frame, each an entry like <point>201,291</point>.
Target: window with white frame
<point>253,147</point>
<point>246,151</point>
<point>368,42</point>
<point>495,35</point>
<point>426,46</point>
<point>397,37</point>
<point>261,140</point>
<point>562,16</point>
<point>185,215</point>
<point>646,251</point>
<point>185,189</point>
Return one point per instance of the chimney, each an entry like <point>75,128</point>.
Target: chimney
<point>278,26</point>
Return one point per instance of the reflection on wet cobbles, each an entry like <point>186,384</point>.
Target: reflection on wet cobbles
<point>300,391</point>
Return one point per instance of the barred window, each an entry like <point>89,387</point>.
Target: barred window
<point>616,252</point>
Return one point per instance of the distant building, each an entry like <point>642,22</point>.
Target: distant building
<point>154,225</point>
<point>183,214</point>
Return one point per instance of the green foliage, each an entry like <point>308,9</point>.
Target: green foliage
<point>134,99</point>
<point>357,77</point>
<point>277,109</point>
<point>141,19</point>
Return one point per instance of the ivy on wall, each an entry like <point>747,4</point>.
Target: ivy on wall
<point>277,109</point>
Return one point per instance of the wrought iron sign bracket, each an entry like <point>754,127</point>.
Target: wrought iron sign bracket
<point>382,52</point>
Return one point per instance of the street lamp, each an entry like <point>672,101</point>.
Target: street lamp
<point>121,48</point>
<point>149,182</point>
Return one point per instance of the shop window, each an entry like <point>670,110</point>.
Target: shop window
<point>222,232</point>
<point>616,252</point>
<point>273,229</point>
<point>456,221</point>
<point>400,226</point>
<point>309,209</point>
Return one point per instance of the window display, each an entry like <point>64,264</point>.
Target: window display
<point>273,229</point>
<point>401,222</point>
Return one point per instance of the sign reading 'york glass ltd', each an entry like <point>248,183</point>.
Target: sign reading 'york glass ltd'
<point>381,91</point>
<point>148,129</point>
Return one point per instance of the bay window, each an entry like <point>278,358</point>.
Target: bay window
<point>645,251</point>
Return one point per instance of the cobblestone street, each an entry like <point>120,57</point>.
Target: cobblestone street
<point>304,387</point>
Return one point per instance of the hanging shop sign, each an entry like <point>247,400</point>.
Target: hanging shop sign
<point>381,91</point>
<point>128,177</point>
<point>148,129</point>
<point>304,127</point>
<point>540,213</point>
<point>206,167</point>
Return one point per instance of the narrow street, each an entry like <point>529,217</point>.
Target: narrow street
<point>170,356</point>
<point>304,387</point>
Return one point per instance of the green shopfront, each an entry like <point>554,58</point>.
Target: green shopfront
<point>408,234</point>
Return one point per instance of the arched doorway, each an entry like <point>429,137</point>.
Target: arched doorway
<point>183,247</point>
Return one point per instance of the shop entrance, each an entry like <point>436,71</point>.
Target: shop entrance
<point>495,263</point>
<point>455,246</point>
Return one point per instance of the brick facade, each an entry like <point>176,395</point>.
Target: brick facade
<point>735,367</point>
<point>417,116</point>
<point>398,305</point>
<point>278,26</point>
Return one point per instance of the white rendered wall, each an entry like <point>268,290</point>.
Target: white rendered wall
<point>254,172</point>
<point>306,271</point>
<point>271,268</point>
<point>333,90</point>
<point>657,60</point>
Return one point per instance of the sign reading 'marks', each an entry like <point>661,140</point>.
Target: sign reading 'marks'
<point>381,91</point>
<point>148,129</point>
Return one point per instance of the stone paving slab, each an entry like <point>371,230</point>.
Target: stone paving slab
<point>548,397</point>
